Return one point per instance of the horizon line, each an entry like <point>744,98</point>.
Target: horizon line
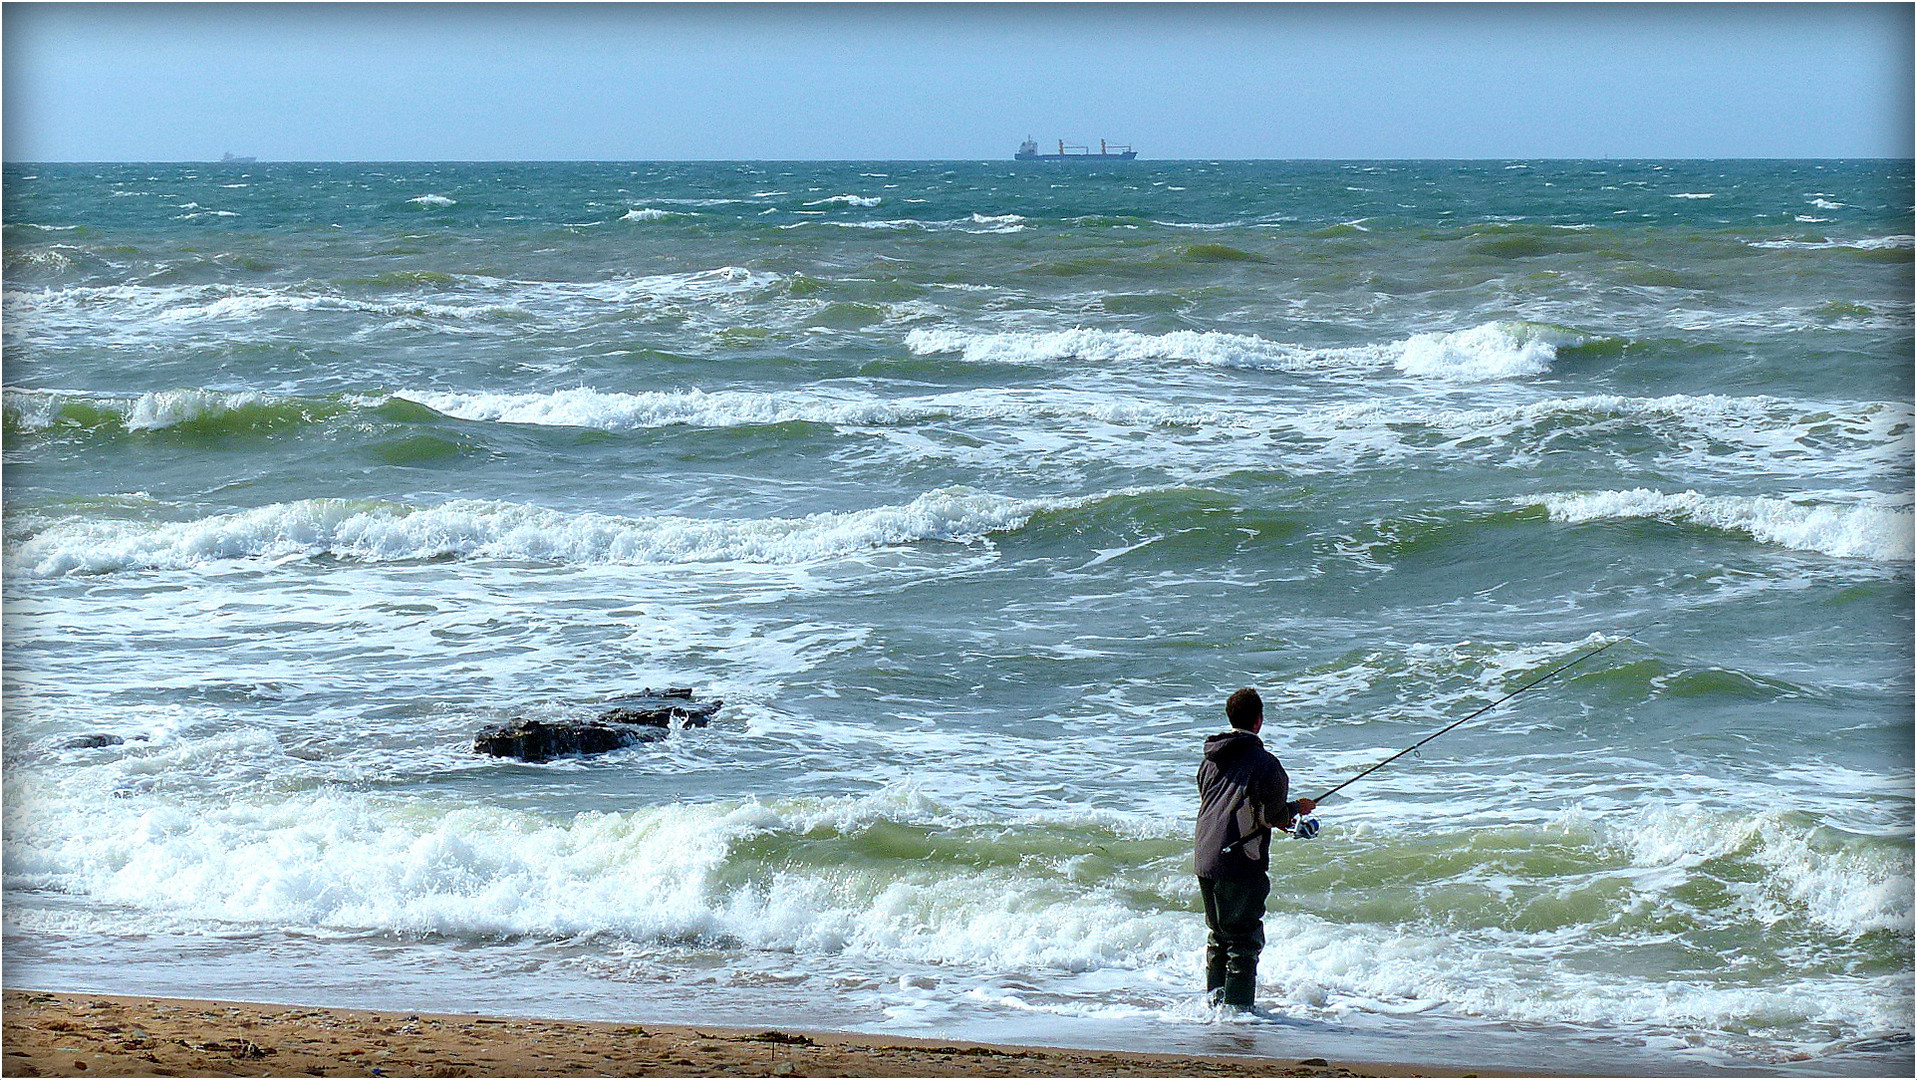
<point>913,161</point>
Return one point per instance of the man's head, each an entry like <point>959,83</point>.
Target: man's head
<point>1245,709</point>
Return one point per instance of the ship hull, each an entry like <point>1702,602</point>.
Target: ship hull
<point>1126,156</point>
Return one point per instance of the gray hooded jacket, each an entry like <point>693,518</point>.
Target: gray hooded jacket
<point>1241,792</point>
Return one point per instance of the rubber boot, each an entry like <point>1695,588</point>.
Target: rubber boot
<point>1241,989</point>
<point>1215,977</point>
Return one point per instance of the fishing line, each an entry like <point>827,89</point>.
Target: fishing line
<point>1305,827</point>
<point>1455,723</point>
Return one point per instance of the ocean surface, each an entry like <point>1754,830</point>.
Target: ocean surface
<point>973,489</point>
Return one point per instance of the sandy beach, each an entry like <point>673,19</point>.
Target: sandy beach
<point>47,1034</point>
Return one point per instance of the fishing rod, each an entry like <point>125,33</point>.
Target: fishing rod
<point>1306,827</point>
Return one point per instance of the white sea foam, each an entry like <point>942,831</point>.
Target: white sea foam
<point>621,411</point>
<point>1870,435</point>
<point>144,306</point>
<point>977,224</point>
<point>139,311</point>
<point>1860,529</point>
<point>1871,243</point>
<point>1495,350</point>
<point>348,862</point>
<point>1224,350</point>
<point>848,200</point>
<point>1847,891</point>
<point>651,213</point>
<point>433,200</point>
<point>369,531</point>
<point>616,411</point>
<point>339,859</point>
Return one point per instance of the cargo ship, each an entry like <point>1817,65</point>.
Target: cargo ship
<point>1028,151</point>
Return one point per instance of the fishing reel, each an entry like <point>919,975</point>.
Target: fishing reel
<point>1304,828</point>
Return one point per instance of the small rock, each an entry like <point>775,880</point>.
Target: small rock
<point>660,709</point>
<point>90,742</point>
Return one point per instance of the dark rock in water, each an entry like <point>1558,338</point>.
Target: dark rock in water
<point>90,742</point>
<point>660,709</point>
<point>543,740</point>
<point>643,717</point>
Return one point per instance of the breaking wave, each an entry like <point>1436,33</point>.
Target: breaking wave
<point>210,411</point>
<point>622,411</point>
<point>897,876</point>
<point>141,309</point>
<point>652,213</point>
<point>378,532</point>
<point>1874,243</point>
<point>612,411</point>
<point>1495,350</point>
<point>1855,530</point>
<point>1224,350</point>
<point>979,224</point>
<point>1872,436</point>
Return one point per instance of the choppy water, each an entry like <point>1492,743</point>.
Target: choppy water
<point>973,489</point>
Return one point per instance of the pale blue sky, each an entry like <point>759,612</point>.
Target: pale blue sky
<point>864,81</point>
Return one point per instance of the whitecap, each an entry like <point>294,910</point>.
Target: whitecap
<point>1494,350</point>
<point>1209,347</point>
<point>1874,243</point>
<point>1859,529</point>
<point>373,531</point>
<point>167,408</point>
<point>586,408</point>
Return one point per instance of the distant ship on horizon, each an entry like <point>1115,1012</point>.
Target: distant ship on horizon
<point>236,159</point>
<point>1028,151</point>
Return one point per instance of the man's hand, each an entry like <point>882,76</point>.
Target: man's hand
<point>1306,806</point>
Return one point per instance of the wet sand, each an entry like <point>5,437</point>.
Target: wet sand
<point>46,1034</point>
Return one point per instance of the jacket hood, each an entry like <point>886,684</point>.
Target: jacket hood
<point>1226,746</point>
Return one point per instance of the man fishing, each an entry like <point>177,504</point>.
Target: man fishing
<point>1241,802</point>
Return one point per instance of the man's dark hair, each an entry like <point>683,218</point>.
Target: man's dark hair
<point>1244,708</point>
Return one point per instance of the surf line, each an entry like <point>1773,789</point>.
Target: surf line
<point>1307,827</point>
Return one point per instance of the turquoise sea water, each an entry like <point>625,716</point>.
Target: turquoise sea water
<point>973,489</point>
